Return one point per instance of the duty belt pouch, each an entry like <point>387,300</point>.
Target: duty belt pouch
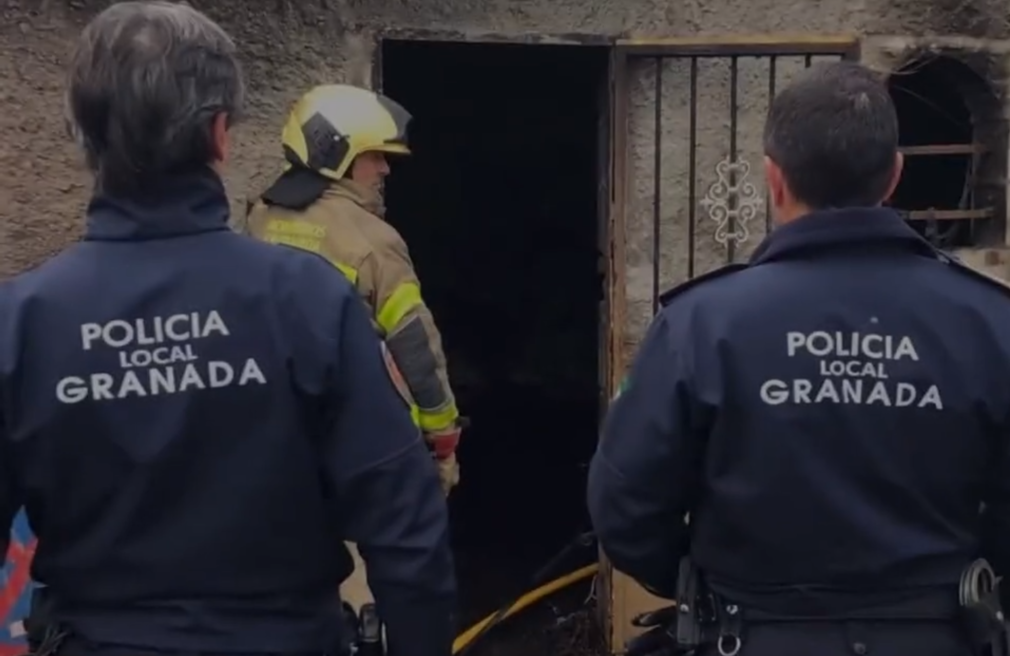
<point>369,641</point>
<point>688,631</point>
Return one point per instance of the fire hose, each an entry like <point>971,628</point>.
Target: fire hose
<point>369,628</point>
<point>466,640</point>
<point>468,637</point>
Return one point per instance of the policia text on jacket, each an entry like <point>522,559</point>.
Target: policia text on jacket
<point>870,368</point>
<point>155,356</point>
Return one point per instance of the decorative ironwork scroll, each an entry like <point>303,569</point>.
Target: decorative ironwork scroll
<point>732,202</point>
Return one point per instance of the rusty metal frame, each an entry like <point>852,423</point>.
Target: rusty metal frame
<point>464,36</point>
<point>617,215</point>
<point>760,45</point>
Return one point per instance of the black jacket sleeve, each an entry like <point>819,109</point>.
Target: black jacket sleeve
<point>10,490</point>
<point>645,471</point>
<point>385,493</point>
<point>10,497</point>
<point>996,517</point>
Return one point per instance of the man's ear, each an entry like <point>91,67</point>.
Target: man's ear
<point>220,139</point>
<point>899,165</point>
<point>776,182</point>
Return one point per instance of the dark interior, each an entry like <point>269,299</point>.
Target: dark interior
<point>498,206</point>
<point>928,96</point>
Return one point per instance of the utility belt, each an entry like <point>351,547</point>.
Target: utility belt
<point>702,617</point>
<point>48,637</point>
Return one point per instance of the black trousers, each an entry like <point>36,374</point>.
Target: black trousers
<point>891,638</point>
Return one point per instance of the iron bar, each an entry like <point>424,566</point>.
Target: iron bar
<point>657,181</point>
<point>734,74</point>
<point>772,61</point>
<point>692,191</point>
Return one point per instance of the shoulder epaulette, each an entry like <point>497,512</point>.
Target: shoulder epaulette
<point>982,276</point>
<point>670,294</point>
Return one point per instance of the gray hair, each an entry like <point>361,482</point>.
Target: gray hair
<point>145,83</point>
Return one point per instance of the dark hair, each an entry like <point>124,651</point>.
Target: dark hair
<point>834,134</point>
<point>145,83</point>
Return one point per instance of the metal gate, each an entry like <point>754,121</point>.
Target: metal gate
<point>688,157</point>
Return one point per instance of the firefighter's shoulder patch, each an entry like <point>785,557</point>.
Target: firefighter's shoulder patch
<point>399,382</point>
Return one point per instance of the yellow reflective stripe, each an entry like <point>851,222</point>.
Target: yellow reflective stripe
<point>415,415</point>
<point>306,236</point>
<point>432,421</point>
<point>350,272</point>
<point>403,299</point>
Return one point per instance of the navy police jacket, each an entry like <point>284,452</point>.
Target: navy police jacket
<point>195,421</point>
<point>830,415</point>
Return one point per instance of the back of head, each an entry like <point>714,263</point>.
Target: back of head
<point>834,135</point>
<point>146,82</point>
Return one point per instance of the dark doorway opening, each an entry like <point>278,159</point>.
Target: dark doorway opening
<point>952,130</point>
<point>498,205</point>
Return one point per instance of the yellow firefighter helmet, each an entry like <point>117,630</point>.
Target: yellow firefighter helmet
<point>334,123</point>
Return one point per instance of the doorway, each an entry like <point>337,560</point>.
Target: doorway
<point>498,205</point>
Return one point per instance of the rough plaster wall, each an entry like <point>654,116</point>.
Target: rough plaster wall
<point>43,186</point>
<point>291,44</point>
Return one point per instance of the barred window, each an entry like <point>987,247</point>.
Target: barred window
<point>954,137</point>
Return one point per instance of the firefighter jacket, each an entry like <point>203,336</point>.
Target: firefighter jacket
<point>345,225</point>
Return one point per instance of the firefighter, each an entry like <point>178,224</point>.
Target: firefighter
<point>329,201</point>
<point>195,420</point>
<point>828,417</point>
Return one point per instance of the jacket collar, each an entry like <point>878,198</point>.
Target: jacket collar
<point>842,227</point>
<point>176,205</point>
<point>364,197</point>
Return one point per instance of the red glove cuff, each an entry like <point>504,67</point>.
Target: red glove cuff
<point>443,444</point>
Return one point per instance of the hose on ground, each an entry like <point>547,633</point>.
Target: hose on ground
<point>533,596</point>
<point>471,636</point>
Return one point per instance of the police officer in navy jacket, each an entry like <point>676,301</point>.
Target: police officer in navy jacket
<point>830,415</point>
<point>195,420</point>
